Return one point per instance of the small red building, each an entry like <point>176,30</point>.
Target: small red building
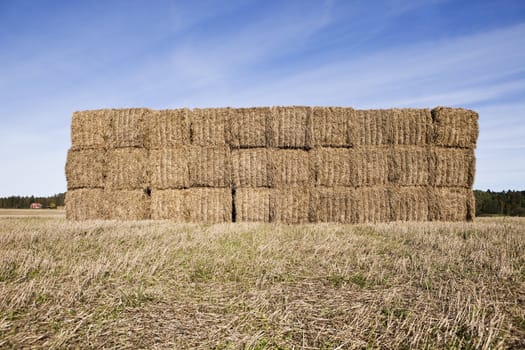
<point>35,206</point>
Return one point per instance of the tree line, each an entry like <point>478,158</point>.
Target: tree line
<point>511,203</point>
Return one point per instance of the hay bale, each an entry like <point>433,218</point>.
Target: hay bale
<point>248,127</point>
<point>86,204</point>
<point>170,205</point>
<point>370,166</point>
<point>289,168</point>
<point>409,126</point>
<point>90,129</point>
<point>290,205</point>
<point>450,204</point>
<point>332,127</point>
<point>168,128</point>
<point>128,205</point>
<point>373,127</point>
<point>210,205</point>
<point>409,203</point>
<point>250,167</point>
<point>169,168</point>
<point>290,127</point>
<point>332,166</point>
<point>374,204</point>
<point>210,166</point>
<point>127,169</point>
<point>85,169</point>
<point>128,127</point>
<point>253,204</point>
<point>408,166</point>
<point>455,127</point>
<point>334,204</point>
<point>208,126</point>
<point>452,167</point>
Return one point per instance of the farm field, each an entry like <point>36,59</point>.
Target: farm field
<point>58,213</point>
<point>147,284</point>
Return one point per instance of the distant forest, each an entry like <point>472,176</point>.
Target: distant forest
<point>510,203</point>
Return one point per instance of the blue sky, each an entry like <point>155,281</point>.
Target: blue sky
<point>57,57</point>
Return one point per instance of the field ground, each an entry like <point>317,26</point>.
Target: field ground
<point>58,213</point>
<point>261,286</point>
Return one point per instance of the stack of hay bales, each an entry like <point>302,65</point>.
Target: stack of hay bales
<point>272,164</point>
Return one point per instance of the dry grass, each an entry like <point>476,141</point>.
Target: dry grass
<point>261,286</point>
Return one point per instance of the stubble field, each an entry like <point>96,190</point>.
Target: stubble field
<point>261,286</point>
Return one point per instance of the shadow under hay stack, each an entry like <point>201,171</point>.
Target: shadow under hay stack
<point>272,164</point>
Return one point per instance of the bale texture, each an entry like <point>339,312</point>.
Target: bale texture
<point>168,128</point>
<point>128,205</point>
<point>334,204</point>
<point>452,167</point>
<point>210,205</point>
<point>451,204</point>
<point>248,127</point>
<point>250,167</point>
<point>127,169</point>
<point>290,127</point>
<point>170,205</point>
<point>332,166</point>
<point>169,168</point>
<point>253,204</point>
<point>372,127</point>
<point>289,168</point>
<point>128,127</point>
<point>210,166</point>
<point>332,127</point>
<point>90,129</point>
<point>85,169</point>
<point>408,166</point>
<point>409,126</point>
<point>409,203</point>
<point>86,204</point>
<point>455,127</point>
<point>208,126</point>
<point>370,166</point>
<point>290,205</point>
<point>374,204</point>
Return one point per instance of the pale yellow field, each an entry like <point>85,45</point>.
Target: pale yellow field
<point>164,285</point>
<point>58,213</point>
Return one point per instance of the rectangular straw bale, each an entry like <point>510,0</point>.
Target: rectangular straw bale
<point>128,205</point>
<point>333,127</point>
<point>450,204</point>
<point>86,168</point>
<point>453,167</point>
<point>373,127</point>
<point>168,128</point>
<point>210,166</point>
<point>127,169</point>
<point>290,205</point>
<point>90,129</point>
<point>334,204</point>
<point>208,126</point>
<point>290,127</point>
<point>455,127</point>
<point>289,168</point>
<point>248,127</point>
<point>332,166</point>
<point>250,167</point>
<point>86,204</point>
<point>253,204</point>
<point>370,166</point>
<point>410,126</point>
<point>408,166</point>
<point>128,127</point>
<point>210,205</point>
<point>170,205</point>
<point>374,204</point>
<point>409,203</point>
<point>169,168</point>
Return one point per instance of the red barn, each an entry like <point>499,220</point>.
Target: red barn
<point>35,206</point>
